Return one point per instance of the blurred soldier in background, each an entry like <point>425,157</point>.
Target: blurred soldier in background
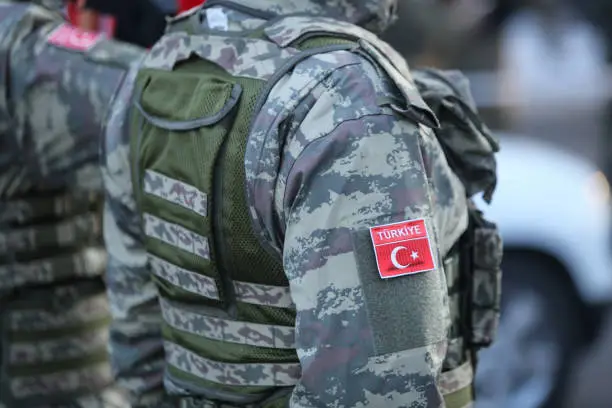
<point>283,225</point>
<point>139,22</point>
<point>57,86</point>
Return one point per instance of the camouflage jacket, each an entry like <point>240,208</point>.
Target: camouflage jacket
<point>54,312</point>
<point>324,163</point>
<point>53,103</point>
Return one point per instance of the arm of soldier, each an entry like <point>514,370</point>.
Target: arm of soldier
<point>362,340</point>
<point>135,342</point>
<point>58,99</point>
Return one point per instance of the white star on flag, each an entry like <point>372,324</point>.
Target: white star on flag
<point>414,254</point>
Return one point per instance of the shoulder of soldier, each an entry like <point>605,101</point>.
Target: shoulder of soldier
<point>338,87</point>
<point>17,19</point>
<point>342,85</point>
<point>324,99</point>
<point>317,96</point>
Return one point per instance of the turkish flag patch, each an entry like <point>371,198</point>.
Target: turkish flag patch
<point>402,248</point>
<point>73,38</point>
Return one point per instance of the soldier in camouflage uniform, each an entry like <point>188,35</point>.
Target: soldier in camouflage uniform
<point>282,221</point>
<point>55,312</point>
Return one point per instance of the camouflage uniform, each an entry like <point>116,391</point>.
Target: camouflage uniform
<point>55,313</point>
<point>324,163</point>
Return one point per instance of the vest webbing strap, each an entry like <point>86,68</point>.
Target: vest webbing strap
<point>461,398</point>
<point>456,386</point>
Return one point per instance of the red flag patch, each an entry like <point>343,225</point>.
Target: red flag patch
<point>402,248</point>
<point>73,38</point>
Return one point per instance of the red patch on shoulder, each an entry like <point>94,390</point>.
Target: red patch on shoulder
<point>402,248</point>
<point>73,38</point>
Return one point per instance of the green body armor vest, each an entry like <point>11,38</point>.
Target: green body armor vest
<point>225,300</point>
<point>55,313</point>
<point>191,127</point>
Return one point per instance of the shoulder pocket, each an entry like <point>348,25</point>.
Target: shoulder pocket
<point>180,120</point>
<point>185,103</point>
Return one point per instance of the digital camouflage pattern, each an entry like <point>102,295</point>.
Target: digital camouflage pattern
<point>488,252</point>
<point>29,320</point>
<point>176,236</point>
<point>240,374</point>
<point>136,343</point>
<point>234,332</point>
<point>55,313</point>
<point>66,149</point>
<point>176,192</point>
<point>375,15</point>
<point>333,150</point>
<point>449,96</point>
<point>470,146</point>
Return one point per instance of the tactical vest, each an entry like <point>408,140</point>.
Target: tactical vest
<point>55,314</point>
<point>225,300</point>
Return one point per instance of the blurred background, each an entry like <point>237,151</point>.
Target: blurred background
<point>541,75</point>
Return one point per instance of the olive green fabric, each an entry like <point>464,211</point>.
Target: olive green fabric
<point>211,159</point>
<point>460,398</point>
<point>188,156</point>
<point>318,42</point>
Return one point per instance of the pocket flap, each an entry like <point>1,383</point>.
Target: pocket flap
<point>177,101</point>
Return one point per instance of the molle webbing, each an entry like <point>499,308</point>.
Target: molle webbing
<point>55,314</point>
<point>53,344</point>
<point>47,238</point>
<point>217,283</point>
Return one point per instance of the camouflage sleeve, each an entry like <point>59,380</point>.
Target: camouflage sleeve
<point>54,100</point>
<point>135,341</point>
<point>352,165</point>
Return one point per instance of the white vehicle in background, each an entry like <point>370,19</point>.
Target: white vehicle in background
<point>553,211</point>
<point>552,206</point>
<point>544,78</point>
